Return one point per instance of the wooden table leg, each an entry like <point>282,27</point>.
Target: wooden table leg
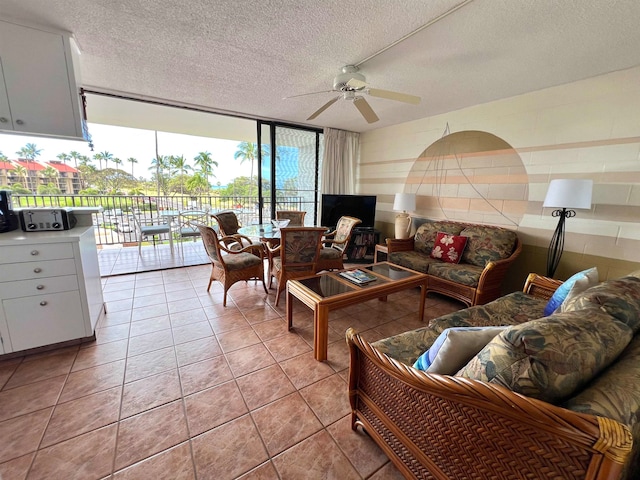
<point>320,332</point>
<point>423,294</point>
<point>289,308</point>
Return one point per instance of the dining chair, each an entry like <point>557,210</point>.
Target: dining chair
<point>295,257</point>
<point>331,257</point>
<point>229,224</point>
<point>295,217</point>
<point>145,230</point>
<point>231,266</point>
<point>186,223</point>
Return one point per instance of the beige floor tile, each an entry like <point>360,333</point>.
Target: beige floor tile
<point>328,398</point>
<point>285,422</point>
<point>41,369</point>
<point>17,468</point>
<point>175,463</point>
<point>92,380</point>
<point>304,370</point>
<point>228,451</point>
<point>150,392</point>
<point>150,363</point>
<point>249,359</point>
<point>21,435</point>
<point>29,398</point>
<point>287,346</point>
<point>149,433</point>
<point>207,373</point>
<point>264,386</point>
<point>197,350</point>
<point>100,354</point>
<point>213,407</point>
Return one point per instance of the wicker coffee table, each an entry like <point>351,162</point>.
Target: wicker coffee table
<point>329,291</point>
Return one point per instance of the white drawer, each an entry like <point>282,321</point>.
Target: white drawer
<point>40,269</point>
<point>39,286</point>
<point>44,319</point>
<point>34,253</point>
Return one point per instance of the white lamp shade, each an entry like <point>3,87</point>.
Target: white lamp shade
<point>405,202</point>
<point>569,193</point>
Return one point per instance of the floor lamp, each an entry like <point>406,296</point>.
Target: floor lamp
<point>564,194</point>
<point>404,202</point>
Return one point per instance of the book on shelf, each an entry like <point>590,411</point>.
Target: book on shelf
<point>358,276</point>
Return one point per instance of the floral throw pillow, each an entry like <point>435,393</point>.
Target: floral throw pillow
<point>448,248</point>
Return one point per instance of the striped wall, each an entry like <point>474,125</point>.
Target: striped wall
<point>492,163</point>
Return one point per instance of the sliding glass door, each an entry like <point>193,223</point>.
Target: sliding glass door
<point>291,162</point>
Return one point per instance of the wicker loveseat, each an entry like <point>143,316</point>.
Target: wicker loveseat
<point>477,279</point>
<point>451,427</point>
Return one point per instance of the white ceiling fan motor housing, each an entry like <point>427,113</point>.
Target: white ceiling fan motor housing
<point>348,72</point>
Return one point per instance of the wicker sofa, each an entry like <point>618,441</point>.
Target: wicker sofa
<point>451,427</point>
<point>477,279</point>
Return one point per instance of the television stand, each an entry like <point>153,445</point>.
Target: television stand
<point>362,245</point>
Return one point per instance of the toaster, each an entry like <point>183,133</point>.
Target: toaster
<point>46,219</point>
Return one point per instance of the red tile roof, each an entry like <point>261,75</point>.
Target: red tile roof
<point>34,166</point>
<point>61,167</point>
<point>6,165</point>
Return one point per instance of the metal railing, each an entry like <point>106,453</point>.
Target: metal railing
<point>115,225</point>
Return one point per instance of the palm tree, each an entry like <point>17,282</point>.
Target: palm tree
<point>181,166</point>
<point>247,151</point>
<point>63,157</point>
<point>132,161</point>
<point>29,152</point>
<point>159,165</point>
<point>75,156</point>
<point>106,156</point>
<point>204,161</point>
<point>50,174</point>
<point>21,172</point>
<point>3,157</point>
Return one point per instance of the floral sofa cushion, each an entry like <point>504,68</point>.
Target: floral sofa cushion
<point>552,357</point>
<point>425,236</point>
<point>511,309</point>
<point>486,244</point>
<point>461,273</point>
<point>417,261</point>
<point>620,298</point>
<point>615,393</point>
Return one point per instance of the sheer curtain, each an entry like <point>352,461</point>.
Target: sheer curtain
<point>341,152</point>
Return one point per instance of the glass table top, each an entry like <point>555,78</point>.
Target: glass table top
<point>329,284</point>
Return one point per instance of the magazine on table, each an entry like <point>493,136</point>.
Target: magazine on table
<point>358,276</point>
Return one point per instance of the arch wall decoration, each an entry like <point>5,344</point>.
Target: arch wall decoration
<point>471,176</point>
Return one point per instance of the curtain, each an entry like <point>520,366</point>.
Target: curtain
<point>341,152</point>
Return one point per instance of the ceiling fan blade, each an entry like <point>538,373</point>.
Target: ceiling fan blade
<point>323,108</point>
<point>355,83</point>
<point>400,97</point>
<point>305,94</point>
<point>366,110</point>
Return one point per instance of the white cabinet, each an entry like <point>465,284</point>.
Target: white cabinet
<point>38,85</point>
<point>50,288</point>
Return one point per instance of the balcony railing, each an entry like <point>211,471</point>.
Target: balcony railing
<point>115,223</point>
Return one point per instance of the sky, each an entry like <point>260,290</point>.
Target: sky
<point>125,142</point>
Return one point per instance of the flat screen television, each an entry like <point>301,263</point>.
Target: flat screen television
<point>360,206</point>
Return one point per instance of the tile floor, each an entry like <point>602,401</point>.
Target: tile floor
<point>177,386</point>
<point>116,260</point>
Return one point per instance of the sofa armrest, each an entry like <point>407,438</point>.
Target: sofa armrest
<point>490,283</point>
<point>540,287</point>
<point>400,245</point>
<point>414,417</point>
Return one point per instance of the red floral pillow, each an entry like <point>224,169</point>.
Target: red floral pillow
<point>448,247</point>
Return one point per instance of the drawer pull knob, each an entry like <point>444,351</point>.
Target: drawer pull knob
<point>40,287</point>
<point>20,122</point>
<point>37,270</point>
<point>34,252</point>
<point>43,303</point>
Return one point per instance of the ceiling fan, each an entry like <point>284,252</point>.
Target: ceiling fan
<point>351,84</point>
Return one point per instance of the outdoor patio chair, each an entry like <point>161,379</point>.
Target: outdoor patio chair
<point>231,266</point>
<point>146,230</point>
<point>295,257</point>
<point>338,240</point>
<point>295,217</point>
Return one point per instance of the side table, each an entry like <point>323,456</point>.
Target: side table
<point>381,249</point>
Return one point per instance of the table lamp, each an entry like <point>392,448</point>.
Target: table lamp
<point>404,202</point>
<point>564,194</point>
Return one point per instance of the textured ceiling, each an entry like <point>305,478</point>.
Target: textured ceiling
<point>245,56</point>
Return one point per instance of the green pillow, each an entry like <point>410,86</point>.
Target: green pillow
<point>551,357</point>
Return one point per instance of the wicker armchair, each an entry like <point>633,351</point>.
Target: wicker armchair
<point>229,224</point>
<point>331,256</point>
<point>295,257</point>
<point>295,217</point>
<point>231,266</point>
